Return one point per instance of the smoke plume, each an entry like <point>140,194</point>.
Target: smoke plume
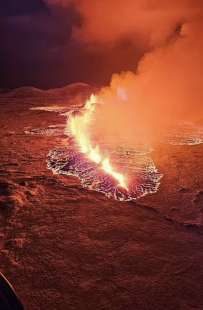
<point>166,86</point>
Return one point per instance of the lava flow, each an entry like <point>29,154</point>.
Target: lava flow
<point>78,125</point>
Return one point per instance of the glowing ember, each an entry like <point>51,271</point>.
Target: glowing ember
<point>79,125</point>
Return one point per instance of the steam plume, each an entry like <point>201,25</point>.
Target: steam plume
<point>167,85</point>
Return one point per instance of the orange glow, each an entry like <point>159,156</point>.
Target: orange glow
<point>79,126</point>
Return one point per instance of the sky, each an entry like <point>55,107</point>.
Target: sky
<point>51,43</point>
<point>38,47</point>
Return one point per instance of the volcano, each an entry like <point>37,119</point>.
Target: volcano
<point>71,237</point>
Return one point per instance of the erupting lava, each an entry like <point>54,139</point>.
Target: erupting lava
<point>79,125</point>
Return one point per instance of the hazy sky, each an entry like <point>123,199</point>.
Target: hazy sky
<point>50,43</point>
<point>38,47</point>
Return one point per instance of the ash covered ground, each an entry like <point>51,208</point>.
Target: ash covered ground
<point>65,247</point>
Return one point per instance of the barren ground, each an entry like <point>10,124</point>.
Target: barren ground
<point>64,247</point>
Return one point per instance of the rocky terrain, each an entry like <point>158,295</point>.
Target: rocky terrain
<point>65,247</point>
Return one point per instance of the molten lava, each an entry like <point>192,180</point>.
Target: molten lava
<point>79,125</point>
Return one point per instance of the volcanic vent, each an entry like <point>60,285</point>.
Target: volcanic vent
<point>123,173</point>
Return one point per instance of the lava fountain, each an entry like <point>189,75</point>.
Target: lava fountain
<point>78,125</point>
<point>89,158</point>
